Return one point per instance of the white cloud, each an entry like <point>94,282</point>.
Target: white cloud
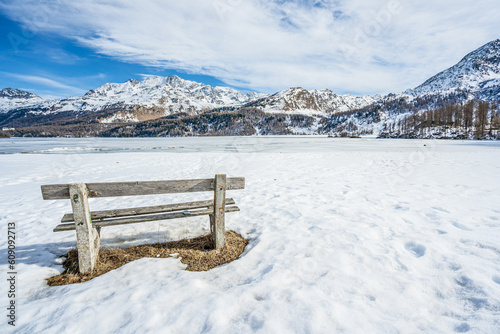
<point>365,46</point>
<point>46,82</point>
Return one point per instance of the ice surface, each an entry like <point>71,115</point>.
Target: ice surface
<point>346,235</point>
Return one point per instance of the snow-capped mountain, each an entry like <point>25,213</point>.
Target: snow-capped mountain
<point>172,93</point>
<point>13,93</point>
<point>298,100</point>
<point>477,71</point>
<point>11,98</point>
<point>166,95</point>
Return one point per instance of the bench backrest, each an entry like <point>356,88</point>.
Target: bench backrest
<point>112,189</point>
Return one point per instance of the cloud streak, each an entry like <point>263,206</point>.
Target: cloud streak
<point>46,82</point>
<point>348,46</point>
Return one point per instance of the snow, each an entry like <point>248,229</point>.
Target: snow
<point>121,118</point>
<point>346,235</point>
<point>7,104</point>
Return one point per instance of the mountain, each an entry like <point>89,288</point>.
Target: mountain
<point>11,98</point>
<point>154,97</point>
<point>163,96</point>
<point>478,72</point>
<point>173,94</point>
<point>297,100</point>
<point>459,102</point>
<point>166,95</point>
<point>13,93</point>
<point>171,106</point>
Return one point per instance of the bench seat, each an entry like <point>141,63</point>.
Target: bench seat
<point>147,214</point>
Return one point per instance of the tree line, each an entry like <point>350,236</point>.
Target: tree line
<point>472,119</point>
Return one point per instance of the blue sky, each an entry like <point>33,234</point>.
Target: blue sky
<point>54,66</point>
<point>62,47</point>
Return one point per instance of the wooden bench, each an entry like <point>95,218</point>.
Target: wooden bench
<point>89,223</point>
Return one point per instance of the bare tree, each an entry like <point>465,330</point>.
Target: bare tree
<point>481,119</point>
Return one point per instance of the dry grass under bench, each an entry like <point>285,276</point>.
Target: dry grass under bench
<point>196,253</point>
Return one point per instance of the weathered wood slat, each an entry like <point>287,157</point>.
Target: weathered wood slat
<point>142,219</point>
<point>112,189</point>
<point>146,210</point>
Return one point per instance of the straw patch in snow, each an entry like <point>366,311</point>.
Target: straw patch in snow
<point>196,253</point>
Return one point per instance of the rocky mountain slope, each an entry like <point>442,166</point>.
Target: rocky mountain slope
<point>173,94</point>
<point>475,78</point>
<point>163,96</point>
<point>297,100</point>
<point>12,98</point>
<point>167,95</point>
<point>136,101</point>
<point>477,72</point>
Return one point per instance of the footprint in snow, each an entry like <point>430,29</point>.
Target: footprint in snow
<point>496,279</point>
<point>440,209</point>
<point>460,226</point>
<point>415,249</point>
<point>462,328</point>
<point>401,208</point>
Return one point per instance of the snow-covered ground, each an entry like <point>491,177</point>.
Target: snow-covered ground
<point>346,235</point>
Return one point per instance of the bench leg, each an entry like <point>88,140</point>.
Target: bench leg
<point>219,229</point>
<point>87,237</point>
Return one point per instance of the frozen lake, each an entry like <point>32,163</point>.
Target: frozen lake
<point>214,144</point>
<point>346,235</point>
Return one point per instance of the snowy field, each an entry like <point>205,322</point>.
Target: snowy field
<point>346,236</point>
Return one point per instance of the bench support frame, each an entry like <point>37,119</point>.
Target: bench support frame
<point>87,236</point>
<point>218,221</point>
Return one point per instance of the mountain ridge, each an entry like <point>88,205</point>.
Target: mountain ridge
<point>12,98</point>
<point>297,100</point>
<point>172,94</point>
<point>475,77</point>
<point>477,70</point>
<point>13,93</point>
<point>167,94</point>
